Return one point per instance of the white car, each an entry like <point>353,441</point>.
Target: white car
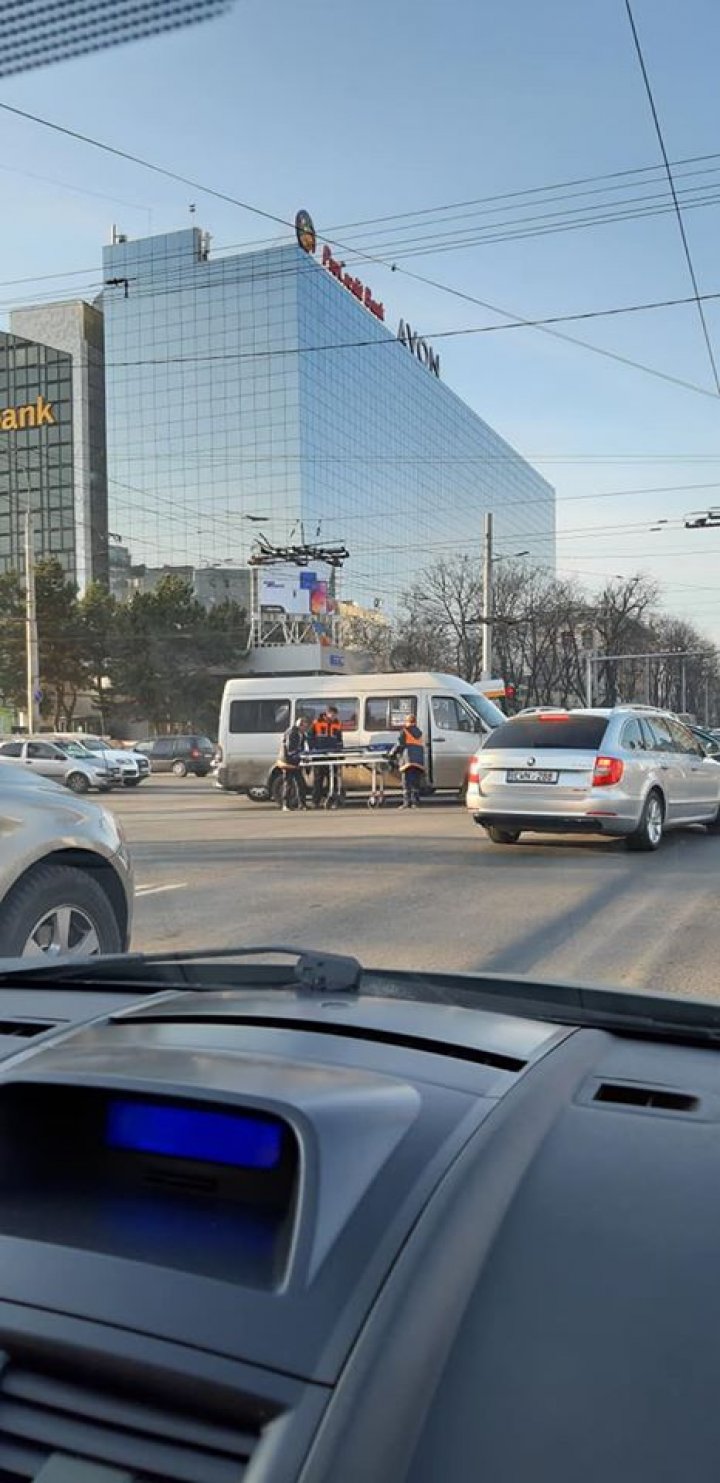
<point>63,762</point>
<point>134,767</point>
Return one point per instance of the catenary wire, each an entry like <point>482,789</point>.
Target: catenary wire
<point>671,183</point>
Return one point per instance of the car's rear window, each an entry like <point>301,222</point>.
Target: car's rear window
<point>572,733</point>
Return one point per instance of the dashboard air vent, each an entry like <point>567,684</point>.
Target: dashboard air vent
<point>625,1094</point>
<point>44,1417</point>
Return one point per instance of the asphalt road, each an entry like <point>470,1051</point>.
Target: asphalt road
<point>422,889</point>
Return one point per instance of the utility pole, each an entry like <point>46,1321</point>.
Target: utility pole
<point>589,679</point>
<point>31,633</point>
<point>487,600</point>
<point>683,686</point>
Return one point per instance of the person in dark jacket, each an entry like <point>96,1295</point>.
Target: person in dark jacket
<point>293,745</point>
<point>410,750</point>
<point>325,736</point>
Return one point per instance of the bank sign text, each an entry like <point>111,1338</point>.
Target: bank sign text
<point>33,414</point>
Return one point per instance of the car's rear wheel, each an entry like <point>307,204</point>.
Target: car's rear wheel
<point>58,910</point>
<point>649,833</point>
<point>259,795</point>
<point>78,782</point>
<point>502,836</point>
<point>179,769</point>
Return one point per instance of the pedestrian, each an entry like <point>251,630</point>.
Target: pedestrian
<point>326,738</point>
<point>292,746</point>
<point>410,750</point>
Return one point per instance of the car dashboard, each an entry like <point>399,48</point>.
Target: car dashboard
<point>415,1229</point>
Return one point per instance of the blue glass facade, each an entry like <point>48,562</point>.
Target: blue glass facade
<point>226,400</point>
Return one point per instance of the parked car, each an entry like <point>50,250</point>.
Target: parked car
<point>134,766</point>
<point>628,772</point>
<point>64,762</point>
<point>65,873</point>
<point>708,740</point>
<point>181,755</point>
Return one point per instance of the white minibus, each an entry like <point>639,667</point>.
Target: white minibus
<point>452,714</point>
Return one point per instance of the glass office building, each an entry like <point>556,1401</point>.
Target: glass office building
<point>36,452</point>
<point>261,391</point>
<point>58,350</point>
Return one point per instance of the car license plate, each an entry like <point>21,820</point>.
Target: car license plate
<point>523,775</point>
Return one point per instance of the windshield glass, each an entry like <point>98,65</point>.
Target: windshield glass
<point>334,472</point>
<point>486,709</point>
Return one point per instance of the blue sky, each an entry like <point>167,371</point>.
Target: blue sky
<point>360,111</point>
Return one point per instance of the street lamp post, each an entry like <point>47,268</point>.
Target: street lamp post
<point>487,618</point>
<point>31,633</point>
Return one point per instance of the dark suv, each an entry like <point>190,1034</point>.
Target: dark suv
<point>181,755</point>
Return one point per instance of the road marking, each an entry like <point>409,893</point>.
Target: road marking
<point>155,890</point>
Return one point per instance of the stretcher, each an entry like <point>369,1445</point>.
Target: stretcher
<point>374,759</point>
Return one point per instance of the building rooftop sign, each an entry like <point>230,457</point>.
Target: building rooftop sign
<point>33,414</point>
<point>353,285</point>
<point>424,352</point>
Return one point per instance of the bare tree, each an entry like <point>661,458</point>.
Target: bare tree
<point>621,621</point>
<point>440,622</point>
<point>543,628</point>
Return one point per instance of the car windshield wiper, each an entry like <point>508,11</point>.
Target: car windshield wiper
<point>658,1016</point>
<point>310,969</point>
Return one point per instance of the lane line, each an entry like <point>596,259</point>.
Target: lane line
<point>155,890</point>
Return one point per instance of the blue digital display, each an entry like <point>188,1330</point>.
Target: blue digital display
<point>236,1139</point>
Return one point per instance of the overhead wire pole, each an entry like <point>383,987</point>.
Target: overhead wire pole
<point>676,203</point>
<point>487,599</point>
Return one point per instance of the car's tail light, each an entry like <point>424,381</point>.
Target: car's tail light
<point>218,753</point>
<point>195,752</point>
<point>607,771</point>
<point>474,771</point>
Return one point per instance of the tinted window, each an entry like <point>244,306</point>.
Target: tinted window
<point>11,749</point>
<point>388,712</point>
<point>163,747</point>
<point>661,737</point>
<point>42,749</point>
<point>449,716</point>
<point>346,707</point>
<point>254,716</point>
<point>631,737</point>
<point>581,733</point>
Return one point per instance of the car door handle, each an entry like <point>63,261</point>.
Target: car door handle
<point>438,739</point>
<point>664,766</point>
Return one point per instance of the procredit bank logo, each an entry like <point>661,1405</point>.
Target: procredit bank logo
<point>354,286</point>
<point>33,414</point>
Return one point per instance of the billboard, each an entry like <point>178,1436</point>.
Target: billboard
<point>295,591</point>
<point>281,587</point>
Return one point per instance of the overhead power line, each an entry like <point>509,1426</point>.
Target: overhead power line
<point>671,183</point>
<point>386,340</point>
<point>271,216</point>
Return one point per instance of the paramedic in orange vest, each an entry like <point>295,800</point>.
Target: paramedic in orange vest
<point>411,751</point>
<point>325,737</point>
